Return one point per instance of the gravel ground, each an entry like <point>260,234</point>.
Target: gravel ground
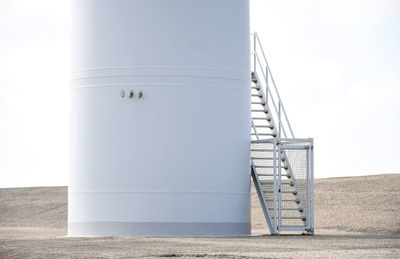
<point>355,217</point>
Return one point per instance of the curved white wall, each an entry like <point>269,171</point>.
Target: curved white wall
<point>177,160</point>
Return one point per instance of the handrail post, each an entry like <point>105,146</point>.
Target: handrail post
<point>277,144</point>
<point>279,115</point>
<point>276,204</point>
<point>254,54</point>
<point>266,86</point>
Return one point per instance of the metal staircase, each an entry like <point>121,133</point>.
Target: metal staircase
<point>282,165</point>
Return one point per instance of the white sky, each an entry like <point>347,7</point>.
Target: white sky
<point>336,64</point>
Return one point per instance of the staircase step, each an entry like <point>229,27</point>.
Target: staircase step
<point>292,192</point>
<point>263,126</point>
<point>261,118</point>
<point>295,209</point>
<point>255,87</point>
<point>265,174</point>
<point>262,150</point>
<point>264,134</point>
<point>302,218</point>
<point>293,228</point>
<point>257,95</point>
<point>262,103</point>
<point>272,182</point>
<point>295,200</point>
<point>290,209</point>
<point>259,110</point>
<point>262,158</point>
<point>270,166</point>
<point>265,166</point>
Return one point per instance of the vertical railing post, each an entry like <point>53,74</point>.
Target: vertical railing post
<point>266,85</point>
<point>308,187</point>
<point>312,184</point>
<point>279,118</point>
<point>277,144</point>
<point>255,51</point>
<point>275,186</point>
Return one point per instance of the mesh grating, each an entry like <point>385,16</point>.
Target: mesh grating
<point>294,211</point>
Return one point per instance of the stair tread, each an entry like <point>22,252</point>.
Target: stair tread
<point>303,217</point>
<point>265,174</point>
<point>264,134</point>
<point>263,126</point>
<point>269,191</point>
<point>295,209</point>
<point>270,182</point>
<point>261,118</point>
<point>262,150</point>
<point>285,200</point>
<point>267,166</point>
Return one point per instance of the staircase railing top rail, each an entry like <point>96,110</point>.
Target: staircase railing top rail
<point>266,75</point>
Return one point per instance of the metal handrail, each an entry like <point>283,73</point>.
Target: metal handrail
<point>265,76</point>
<point>271,96</point>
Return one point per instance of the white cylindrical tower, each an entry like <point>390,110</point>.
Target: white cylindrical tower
<point>160,118</point>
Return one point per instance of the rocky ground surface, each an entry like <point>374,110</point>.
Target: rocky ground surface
<point>355,217</point>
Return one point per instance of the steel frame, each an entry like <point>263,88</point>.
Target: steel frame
<point>280,146</point>
<point>281,141</point>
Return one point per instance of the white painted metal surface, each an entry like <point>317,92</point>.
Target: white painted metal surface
<point>177,160</point>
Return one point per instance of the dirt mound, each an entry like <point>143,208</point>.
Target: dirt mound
<point>354,217</point>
